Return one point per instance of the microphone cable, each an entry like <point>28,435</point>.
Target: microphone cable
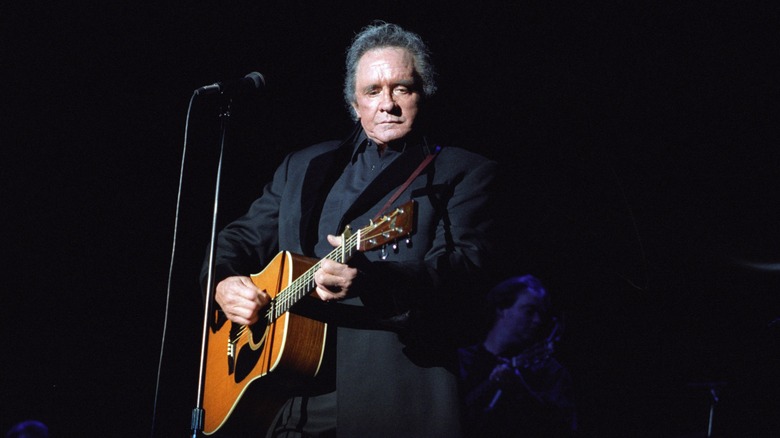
<point>170,268</point>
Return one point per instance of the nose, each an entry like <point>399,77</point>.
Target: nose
<point>386,102</point>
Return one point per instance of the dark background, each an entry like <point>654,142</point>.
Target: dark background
<point>641,143</point>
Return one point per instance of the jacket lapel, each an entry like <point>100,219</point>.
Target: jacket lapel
<point>321,175</point>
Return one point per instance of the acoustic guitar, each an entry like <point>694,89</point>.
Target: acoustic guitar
<point>281,342</point>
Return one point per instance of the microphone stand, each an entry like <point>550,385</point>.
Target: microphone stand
<point>713,388</point>
<point>713,401</point>
<point>198,412</point>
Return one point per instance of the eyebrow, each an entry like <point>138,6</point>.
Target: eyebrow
<point>408,83</point>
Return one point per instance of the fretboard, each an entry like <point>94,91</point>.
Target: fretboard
<point>304,285</point>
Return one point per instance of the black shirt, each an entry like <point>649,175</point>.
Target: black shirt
<point>365,165</point>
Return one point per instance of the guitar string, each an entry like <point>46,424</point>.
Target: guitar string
<point>303,284</point>
<point>288,295</point>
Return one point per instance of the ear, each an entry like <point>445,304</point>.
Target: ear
<point>355,109</point>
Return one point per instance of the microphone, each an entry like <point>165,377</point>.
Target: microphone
<point>253,82</point>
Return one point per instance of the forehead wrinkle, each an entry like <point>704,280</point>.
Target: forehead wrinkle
<point>380,69</point>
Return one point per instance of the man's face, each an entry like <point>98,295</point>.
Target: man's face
<point>524,318</point>
<point>386,95</point>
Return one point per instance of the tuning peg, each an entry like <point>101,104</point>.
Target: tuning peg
<point>383,252</point>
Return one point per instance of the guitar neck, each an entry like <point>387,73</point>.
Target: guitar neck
<point>376,234</point>
<point>303,285</point>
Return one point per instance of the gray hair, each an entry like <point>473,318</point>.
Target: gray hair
<point>380,35</point>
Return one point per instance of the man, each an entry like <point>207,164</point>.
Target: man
<point>394,309</point>
<point>512,385</point>
<point>28,429</point>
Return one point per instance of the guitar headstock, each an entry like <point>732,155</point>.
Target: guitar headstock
<point>387,228</point>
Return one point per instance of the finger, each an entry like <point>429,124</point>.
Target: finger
<point>263,298</point>
<point>247,289</point>
<point>240,299</point>
<point>329,273</point>
<point>326,295</point>
<point>322,293</point>
<point>248,296</point>
<point>235,287</point>
<point>335,241</point>
<point>255,294</point>
<point>243,315</point>
<point>239,314</point>
<point>337,269</point>
<point>330,283</point>
<point>329,267</point>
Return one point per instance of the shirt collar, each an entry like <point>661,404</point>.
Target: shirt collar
<point>362,142</point>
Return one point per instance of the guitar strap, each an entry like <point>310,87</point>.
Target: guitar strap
<point>409,180</point>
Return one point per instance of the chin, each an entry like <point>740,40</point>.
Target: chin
<point>390,137</point>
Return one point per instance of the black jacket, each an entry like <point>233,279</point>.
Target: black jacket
<point>396,362</point>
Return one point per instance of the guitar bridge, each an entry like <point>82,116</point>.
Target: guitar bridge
<point>231,357</point>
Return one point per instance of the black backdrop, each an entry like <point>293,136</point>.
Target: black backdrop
<point>641,149</point>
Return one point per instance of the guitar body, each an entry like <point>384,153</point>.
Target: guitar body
<point>238,355</point>
<point>282,345</point>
